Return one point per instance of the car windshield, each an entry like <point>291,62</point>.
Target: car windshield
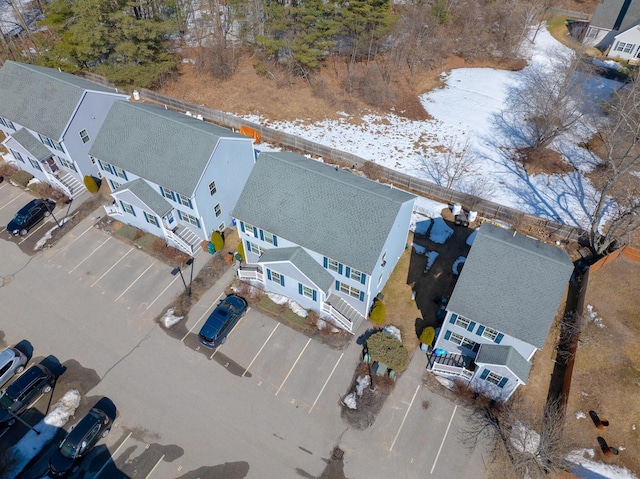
<point>5,401</point>
<point>67,449</point>
<point>19,219</point>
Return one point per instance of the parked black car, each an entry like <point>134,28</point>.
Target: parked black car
<point>82,438</point>
<point>17,397</point>
<point>29,216</point>
<point>222,320</point>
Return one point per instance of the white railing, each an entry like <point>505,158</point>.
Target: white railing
<point>113,210</point>
<point>250,273</point>
<point>447,370</point>
<point>182,244</point>
<point>337,315</point>
<point>62,186</point>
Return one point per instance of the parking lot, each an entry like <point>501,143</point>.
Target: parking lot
<point>264,404</point>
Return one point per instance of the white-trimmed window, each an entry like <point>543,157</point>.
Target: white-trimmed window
<point>84,136</point>
<point>151,219</point>
<point>212,188</point>
<point>355,275</point>
<point>128,208</point>
<point>7,123</point>
<point>462,322</point>
<point>221,227</point>
<point>380,279</point>
<point>332,265</point>
<point>249,229</point>
<point>35,164</point>
<point>494,378</point>
<point>119,172</point>
<point>183,200</point>
<point>17,155</point>
<point>167,193</point>
<point>490,334</point>
<point>66,163</point>
<point>276,277</point>
<point>268,237</point>
<point>307,291</point>
<point>114,185</point>
<point>190,219</point>
<point>624,47</point>
<point>217,210</point>
<point>350,290</point>
<point>255,249</point>
<point>58,146</point>
<point>462,341</point>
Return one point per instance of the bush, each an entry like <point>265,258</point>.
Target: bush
<point>217,240</point>
<point>92,184</point>
<point>427,335</point>
<point>45,190</point>
<point>21,178</point>
<point>241,251</point>
<point>387,349</point>
<point>7,170</point>
<point>378,313</point>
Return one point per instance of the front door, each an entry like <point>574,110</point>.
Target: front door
<point>51,164</point>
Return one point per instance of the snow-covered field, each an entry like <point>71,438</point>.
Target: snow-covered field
<point>466,110</point>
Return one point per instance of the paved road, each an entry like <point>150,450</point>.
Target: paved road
<point>266,404</point>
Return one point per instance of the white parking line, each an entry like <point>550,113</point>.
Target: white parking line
<point>261,348</point>
<point>294,365</point>
<point>11,201</point>
<point>32,232</point>
<point>326,382</point>
<point>154,467</point>
<point>163,291</point>
<point>135,280</point>
<point>235,328</point>
<point>445,436</point>
<point>89,255</point>
<point>405,418</point>
<point>112,456</point>
<point>69,244</point>
<point>114,265</point>
<point>205,313</point>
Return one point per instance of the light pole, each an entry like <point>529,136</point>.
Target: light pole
<point>46,202</point>
<point>178,270</point>
<point>190,262</point>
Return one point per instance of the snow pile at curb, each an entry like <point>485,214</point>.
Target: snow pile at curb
<point>170,319</point>
<point>588,469</point>
<point>31,444</point>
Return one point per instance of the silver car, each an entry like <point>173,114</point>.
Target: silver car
<point>12,362</point>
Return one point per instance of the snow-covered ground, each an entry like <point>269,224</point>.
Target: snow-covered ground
<point>467,110</point>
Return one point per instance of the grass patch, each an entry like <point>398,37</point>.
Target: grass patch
<point>127,231</point>
<point>281,310</point>
<point>147,241</point>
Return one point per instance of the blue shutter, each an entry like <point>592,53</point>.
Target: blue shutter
<point>248,247</point>
<point>453,318</point>
<point>99,162</point>
<point>179,214</point>
<point>480,330</point>
<point>198,222</point>
<point>262,235</point>
<point>275,240</point>
<point>299,288</point>
<point>173,197</point>
<point>242,226</point>
<point>125,175</point>
<point>255,232</point>
<point>363,278</point>
<point>268,274</point>
<point>499,338</point>
<point>281,280</point>
<point>145,216</point>
<point>190,204</point>
<point>123,208</point>
<point>447,335</point>
<point>502,382</point>
<point>326,262</point>
<point>347,272</point>
<point>484,374</point>
<point>338,285</point>
<point>361,295</point>
<point>314,295</point>
<point>339,268</point>
<point>471,326</point>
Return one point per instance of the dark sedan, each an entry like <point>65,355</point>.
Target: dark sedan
<point>220,323</point>
<point>29,216</point>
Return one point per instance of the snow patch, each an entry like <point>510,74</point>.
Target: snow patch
<point>431,258</point>
<point>393,331</point>
<point>277,298</point>
<point>440,231</point>
<point>525,439</point>
<point>592,316</point>
<point>170,319</point>
<point>580,415</point>
<point>299,310</point>
<point>457,263</point>
<point>471,237</point>
<point>419,249</point>
<point>447,383</point>
<point>588,469</point>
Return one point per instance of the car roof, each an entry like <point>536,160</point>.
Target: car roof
<point>26,208</point>
<point>35,372</point>
<point>6,355</point>
<point>87,423</point>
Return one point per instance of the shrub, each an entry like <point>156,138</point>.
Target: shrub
<point>378,312</point>
<point>217,240</point>
<point>91,184</point>
<point>22,178</point>
<point>386,348</point>
<point>7,170</point>
<point>427,335</point>
<point>241,251</point>
<point>45,190</point>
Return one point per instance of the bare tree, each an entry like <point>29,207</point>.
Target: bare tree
<point>616,214</point>
<point>455,164</point>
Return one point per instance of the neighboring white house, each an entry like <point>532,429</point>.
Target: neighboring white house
<point>610,18</point>
<point>50,119</point>
<point>500,311</point>
<point>626,45</point>
<point>171,174</point>
<point>324,237</point>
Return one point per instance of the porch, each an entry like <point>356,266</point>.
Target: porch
<point>251,273</point>
<point>451,365</point>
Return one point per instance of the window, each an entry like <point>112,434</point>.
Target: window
<point>128,208</point>
<point>494,378</point>
<point>356,275</point>
<point>462,322</point>
<point>384,259</point>
<point>17,155</point>
<point>7,123</point>
<point>218,210</point>
<point>58,146</point>
<point>250,230</point>
<point>380,279</point>
<point>255,249</point>
<point>351,291</point>
<point>104,166</point>
<point>35,164</point>
<point>66,163</point>
<point>84,136</point>
<point>151,219</point>
<point>462,341</point>
<point>306,291</point>
<point>190,219</point>
<point>114,185</point>
<point>183,200</point>
<point>167,193</point>
<point>490,334</point>
<point>332,265</point>
<point>268,237</point>
<point>624,47</point>
<point>275,277</point>
<point>212,188</point>
<point>221,227</point>
<point>119,172</point>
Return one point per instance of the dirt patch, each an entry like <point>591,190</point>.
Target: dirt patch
<point>544,161</point>
<point>370,403</point>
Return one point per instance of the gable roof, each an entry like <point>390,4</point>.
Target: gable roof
<point>505,356</point>
<point>166,147</point>
<point>145,193</point>
<point>31,144</point>
<point>512,283</point>
<point>301,260</point>
<point>42,99</point>
<point>320,207</point>
<point>616,15</point>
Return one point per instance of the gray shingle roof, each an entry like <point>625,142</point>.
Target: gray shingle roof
<point>512,283</point>
<point>301,260</point>
<point>147,195</point>
<point>166,147</point>
<point>608,14</point>
<point>505,356</point>
<point>31,144</point>
<point>327,210</point>
<point>42,99</point>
